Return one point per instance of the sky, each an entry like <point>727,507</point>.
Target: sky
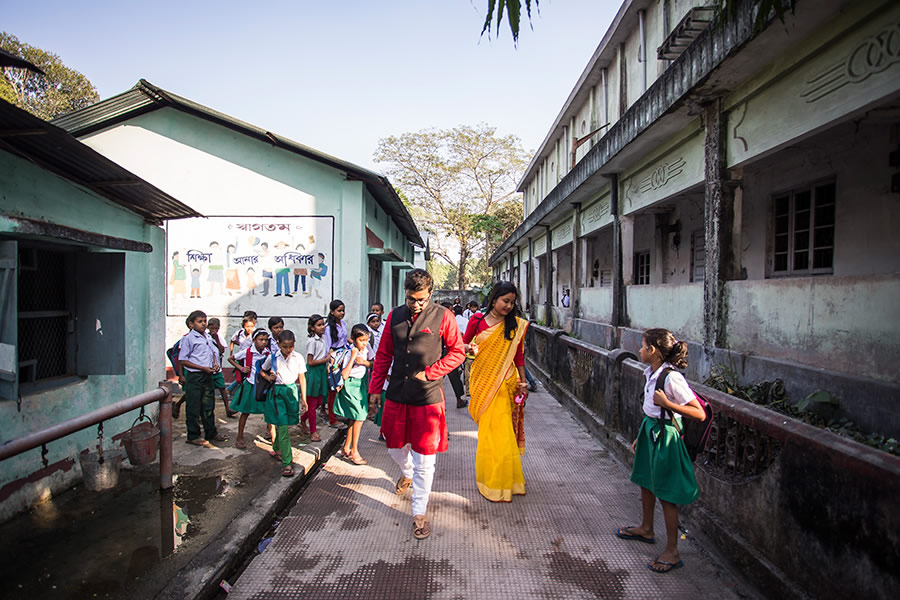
<point>334,75</point>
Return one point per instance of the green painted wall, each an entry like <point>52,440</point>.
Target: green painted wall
<point>29,191</point>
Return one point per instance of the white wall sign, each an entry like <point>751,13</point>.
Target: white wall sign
<point>227,265</point>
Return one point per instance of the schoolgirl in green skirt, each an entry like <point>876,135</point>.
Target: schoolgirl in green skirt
<point>662,466</point>
<point>244,399</point>
<point>317,353</point>
<point>287,370</point>
<point>352,399</point>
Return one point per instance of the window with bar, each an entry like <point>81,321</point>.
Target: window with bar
<point>803,231</point>
<point>698,256</point>
<point>642,268</point>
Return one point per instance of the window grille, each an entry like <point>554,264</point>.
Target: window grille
<point>43,315</point>
<point>698,256</point>
<point>642,268</point>
<point>803,231</point>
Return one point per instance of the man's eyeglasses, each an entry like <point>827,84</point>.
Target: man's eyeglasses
<point>417,301</point>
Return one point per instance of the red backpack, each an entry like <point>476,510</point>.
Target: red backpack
<point>695,433</point>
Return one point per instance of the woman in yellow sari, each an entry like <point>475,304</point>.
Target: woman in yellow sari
<point>497,380</point>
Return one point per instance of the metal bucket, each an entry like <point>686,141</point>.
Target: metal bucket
<point>101,476</point>
<point>141,441</point>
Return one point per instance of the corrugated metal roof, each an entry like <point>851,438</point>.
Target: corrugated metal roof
<point>145,97</point>
<point>51,148</point>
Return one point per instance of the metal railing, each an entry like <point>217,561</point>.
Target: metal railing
<point>40,439</point>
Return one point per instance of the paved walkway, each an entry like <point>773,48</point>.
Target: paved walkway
<point>350,536</point>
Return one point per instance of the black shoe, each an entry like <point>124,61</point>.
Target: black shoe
<point>276,295</point>
<point>288,296</point>
<point>460,403</point>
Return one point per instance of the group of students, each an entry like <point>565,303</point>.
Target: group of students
<point>273,380</point>
<point>336,376</point>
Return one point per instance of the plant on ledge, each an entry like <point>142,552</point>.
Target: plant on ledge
<point>819,408</point>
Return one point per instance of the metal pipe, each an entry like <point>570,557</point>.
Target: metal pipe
<point>165,441</point>
<point>38,438</point>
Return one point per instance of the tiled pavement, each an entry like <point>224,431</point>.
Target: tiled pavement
<point>350,536</point>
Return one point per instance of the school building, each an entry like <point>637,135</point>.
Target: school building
<point>286,229</point>
<point>82,250</point>
<point>737,185</point>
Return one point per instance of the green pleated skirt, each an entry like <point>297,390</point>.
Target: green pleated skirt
<point>282,407</point>
<point>317,381</point>
<point>350,402</point>
<point>662,465</point>
<point>244,400</point>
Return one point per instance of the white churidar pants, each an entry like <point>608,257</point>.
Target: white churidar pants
<point>419,468</point>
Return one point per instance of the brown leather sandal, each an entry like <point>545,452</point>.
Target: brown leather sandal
<point>402,485</point>
<point>421,527</point>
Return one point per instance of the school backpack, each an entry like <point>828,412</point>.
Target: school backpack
<point>694,433</point>
<point>335,379</point>
<point>262,387</point>
<point>172,354</point>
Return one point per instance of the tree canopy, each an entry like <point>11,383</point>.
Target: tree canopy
<point>59,91</point>
<point>460,187</point>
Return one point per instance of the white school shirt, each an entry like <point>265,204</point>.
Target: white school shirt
<point>289,369</point>
<point>316,346</point>
<point>358,371</point>
<point>462,323</point>
<point>677,389</point>
<point>255,355</point>
<point>467,314</point>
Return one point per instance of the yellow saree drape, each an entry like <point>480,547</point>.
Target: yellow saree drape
<point>501,435</point>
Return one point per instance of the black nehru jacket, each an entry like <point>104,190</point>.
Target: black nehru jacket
<point>413,351</point>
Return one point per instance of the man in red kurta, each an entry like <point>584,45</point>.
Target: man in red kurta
<point>413,422</point>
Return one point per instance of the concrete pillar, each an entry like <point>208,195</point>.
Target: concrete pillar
<point>529,279</point>
<point>577,258</point>
<point>618,282</point>
<point>718,208</point>
<point>548,301</point>
<point>660,248</point>
<point>351,261</point>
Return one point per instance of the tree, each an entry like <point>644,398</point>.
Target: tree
<point>460,186</point>
<point>727,7</point>
<point>60,91</point>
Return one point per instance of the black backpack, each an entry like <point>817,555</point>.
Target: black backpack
<point>695,433</point>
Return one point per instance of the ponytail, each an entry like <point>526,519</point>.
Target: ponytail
<point>670,350</point>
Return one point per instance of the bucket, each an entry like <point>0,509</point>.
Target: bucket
<point>141,441</point>
<point>99,476</point>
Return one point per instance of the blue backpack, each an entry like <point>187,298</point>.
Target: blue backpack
<point>335,379</point>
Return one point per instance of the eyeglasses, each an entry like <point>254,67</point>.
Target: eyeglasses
<point>417,301</point>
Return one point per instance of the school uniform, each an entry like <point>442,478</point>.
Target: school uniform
<point>316,376</point>
<point>661,460</point>
<point>218,378</point>
<point>282,406</point>
<point>244,399</point>
<point>351,401</point>
<point>198,348</point>
<point>334,342</point>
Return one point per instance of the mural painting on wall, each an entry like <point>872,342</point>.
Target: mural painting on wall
<point>272,265</point>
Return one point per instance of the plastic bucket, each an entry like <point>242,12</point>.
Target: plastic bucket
<point>101,476</point>
<point>141,442</point>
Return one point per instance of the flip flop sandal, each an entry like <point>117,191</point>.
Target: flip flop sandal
<point>420,532</point>
<point>667,566</point>
<point>219,438</point>
<point>287,472</point>
<point>274,455</point>
<point>625,534</point>
<point>357,460</point>
<point>240,444</point>
<point>198,442</point>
